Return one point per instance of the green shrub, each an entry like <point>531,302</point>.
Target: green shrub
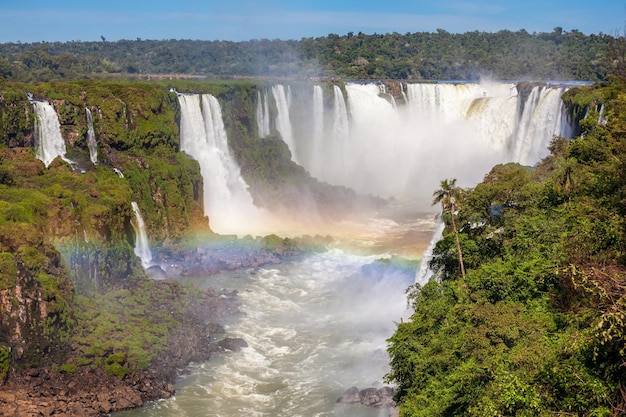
<point>115,369</point>
<point>68,368</point>
<point>4,362</point>
<point>8,275</point>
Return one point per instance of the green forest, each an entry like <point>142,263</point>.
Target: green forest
<point>527,315</point>
<point>558,55</point>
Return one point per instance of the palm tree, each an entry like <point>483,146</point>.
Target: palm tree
<point>448,196</point>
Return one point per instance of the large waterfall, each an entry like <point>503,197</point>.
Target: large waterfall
<point>50,143</point>
<point>441,131</point>
<point>227,202</point>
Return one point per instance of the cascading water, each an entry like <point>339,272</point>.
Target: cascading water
<point>227,202</point>
<point>50,143</point>
<point>91,139</point>
<point>142,246</point>
<point>263,115</point>
<point>541,120</point>
<point>442,131</point>
<point>424,272</point>
<point>283,122</point>
<point>318,114</point>
<point>317,326</point>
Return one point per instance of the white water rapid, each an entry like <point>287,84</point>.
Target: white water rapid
<point>49,142</point>
<point>91,138</point>
<point>315,327</point>
<point>142,246</point>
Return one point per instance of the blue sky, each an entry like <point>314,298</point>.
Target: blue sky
<point>237,20</point>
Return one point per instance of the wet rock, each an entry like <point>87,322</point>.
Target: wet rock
<point>233,344</point>
<point>156,272</point>
<point>369,397</point>
<point>351,396</point>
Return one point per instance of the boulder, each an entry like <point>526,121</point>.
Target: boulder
<point>233,344</point>
<point>369,397</point>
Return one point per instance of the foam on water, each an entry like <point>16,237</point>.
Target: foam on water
<point>314,328</point>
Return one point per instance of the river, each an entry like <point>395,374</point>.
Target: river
<point>315,327</point>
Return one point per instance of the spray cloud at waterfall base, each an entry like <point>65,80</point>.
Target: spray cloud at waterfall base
<point>392,142</point>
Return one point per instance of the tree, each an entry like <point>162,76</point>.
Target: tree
<point>448,195</point>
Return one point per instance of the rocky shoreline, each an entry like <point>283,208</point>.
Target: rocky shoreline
<point>86,392</point>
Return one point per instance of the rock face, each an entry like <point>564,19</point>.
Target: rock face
<point>44,393</point>
<point>93,393</point>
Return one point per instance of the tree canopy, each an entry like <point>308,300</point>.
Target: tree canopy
<point>558,55</point>
<point>537,326</point>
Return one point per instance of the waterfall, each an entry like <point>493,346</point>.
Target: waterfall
<point>50,143</point>
<point>283,122</point>
<point>227,202</point>
<point>318,114</point>
<point>541,120</point>
<point>443,130</point>
<point>340,119</point>
<point>142,247</point>
<point>91,139</point>
<point>339,138</point>
<point>424,273</point>
<point>263,115</point>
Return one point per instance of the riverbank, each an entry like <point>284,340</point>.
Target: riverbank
<point>85,391</point>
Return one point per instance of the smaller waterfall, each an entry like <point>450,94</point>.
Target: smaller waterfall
<point>227,201</point>
<point>340,124</point>
<point>49,142</point>
<point>340,135</point>
<point>91,139</point>
<point>425,273</point>
<point>142,247</point>
<point>283,122</point>
<point>318,114</point>
<point>262,115</point>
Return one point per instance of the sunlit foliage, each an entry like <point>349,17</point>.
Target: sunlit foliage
<point>537,327</point>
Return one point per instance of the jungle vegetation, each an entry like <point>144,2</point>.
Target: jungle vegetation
<point>536,327</point>
<point>557,55</point>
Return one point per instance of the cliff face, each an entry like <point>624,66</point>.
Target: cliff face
<point>35,298</point>
<point>67,230</point>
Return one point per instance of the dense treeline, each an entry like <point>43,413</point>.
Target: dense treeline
<point>532,321</point>
<point>557,55</point>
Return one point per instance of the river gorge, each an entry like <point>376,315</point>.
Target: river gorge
<point>366,158</point>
